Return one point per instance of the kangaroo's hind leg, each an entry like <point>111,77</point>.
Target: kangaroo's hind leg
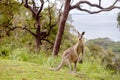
<point>70,66</point>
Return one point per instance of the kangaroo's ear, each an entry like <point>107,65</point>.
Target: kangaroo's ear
<point>78,32</point>
<point>83,33</point>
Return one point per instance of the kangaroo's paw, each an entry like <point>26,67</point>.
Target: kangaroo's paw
<point>52,69</point>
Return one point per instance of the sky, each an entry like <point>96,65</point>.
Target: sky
<point>97,25</point>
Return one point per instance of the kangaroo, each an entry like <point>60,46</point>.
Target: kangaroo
<point>73,53</point>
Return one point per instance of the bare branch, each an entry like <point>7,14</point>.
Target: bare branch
<point>50,20</point>
<point>29,31</point>
<point>29,7</point>
<point>101,9</point>
<point>48,41</point>
<point>24,28</point>
<point>99,2</point>
<point>77,5</point>
<point>51,26</point>
<point>41,7</point>
<point>115,2</point>
<point>34,6</point>
<point>45,34</point>
<point>93,12</point>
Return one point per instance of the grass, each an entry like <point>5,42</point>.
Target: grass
<point>21,65</point>
<point>97,72</point>
<point>19,70</point>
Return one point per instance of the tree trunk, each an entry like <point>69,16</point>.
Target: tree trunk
<point>61,28</point>
<point>38,35</point>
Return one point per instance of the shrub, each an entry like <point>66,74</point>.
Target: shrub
<point>5,50</point>
<point>20,54</point>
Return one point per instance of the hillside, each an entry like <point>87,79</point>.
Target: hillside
<point>107,44</point>
<point>18,70</point>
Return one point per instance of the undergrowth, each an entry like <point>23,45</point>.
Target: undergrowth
<point>92,70</point>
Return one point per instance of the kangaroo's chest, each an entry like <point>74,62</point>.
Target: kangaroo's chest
<point>75,52</point>
<point>73,56</point>
<point>79,49</point>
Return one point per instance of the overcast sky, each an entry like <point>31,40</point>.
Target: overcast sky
<point>97,25</point>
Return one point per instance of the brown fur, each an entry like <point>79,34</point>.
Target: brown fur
<point>71,55</point>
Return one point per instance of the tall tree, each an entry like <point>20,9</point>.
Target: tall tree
<point>38,21</point>
<point>36,15</point>
<point>36,8</point>
<point>68,7</point>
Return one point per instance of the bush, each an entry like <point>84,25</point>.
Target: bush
<point>5,50</point>
<point>20,54</point>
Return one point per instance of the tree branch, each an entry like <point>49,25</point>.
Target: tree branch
<point>93,12</point>
<point>41,7</point>
<point>29,31</point>
<point>99,2</point>
<point>101,9</point>
<point>29,7</point>
<point>34,5</point>
<point>51,26</point>
<point>50,22</point>
<point>115,2</point>
<point>44,34</point>
<point>48,41</point>
<point>24,28</point>
<point>77,5</point>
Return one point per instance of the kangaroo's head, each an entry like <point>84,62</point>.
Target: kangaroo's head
<point>80,35</point>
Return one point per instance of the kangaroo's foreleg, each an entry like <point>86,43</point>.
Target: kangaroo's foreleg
<point>80,60</point>
<point>75,64</point>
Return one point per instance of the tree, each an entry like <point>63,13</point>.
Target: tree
<point>36,11</point>
<point>68,7</point>
<point>31,17</point>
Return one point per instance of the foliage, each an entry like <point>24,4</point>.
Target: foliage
<point>48,19</point>
<point>5,50</point>
<point>118,19</point>
<point>107,44</point>
<point>103,51</point>
<point>19,54</point>
<point>21,17</point>
<point>101,59</point>
<point>98,64</point>
<point>7,11</point>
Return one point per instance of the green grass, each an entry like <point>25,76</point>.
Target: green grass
<point>97,72</point>
<point>18,70</point>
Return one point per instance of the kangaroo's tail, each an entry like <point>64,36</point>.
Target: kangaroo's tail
<point>59,66</point>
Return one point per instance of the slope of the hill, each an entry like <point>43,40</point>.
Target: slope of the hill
<point>18,70</point>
